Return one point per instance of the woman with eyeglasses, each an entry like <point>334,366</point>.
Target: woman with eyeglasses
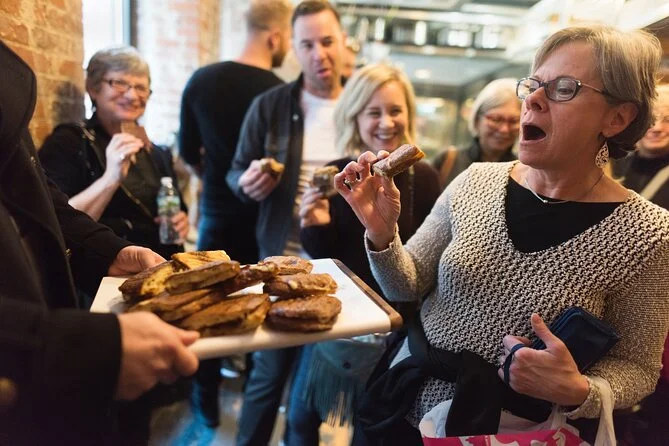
<point>509,246</point>
<point>109,173</point>
<point>494,122</point>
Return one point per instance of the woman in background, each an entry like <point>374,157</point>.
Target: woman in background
<point>111,175</point>
<point>376,111</point>
<point>494,123</point>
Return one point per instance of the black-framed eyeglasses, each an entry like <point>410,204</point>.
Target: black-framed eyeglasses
<point>561,89</point>
<point>122,87</point>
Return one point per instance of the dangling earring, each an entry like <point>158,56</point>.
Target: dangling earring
<point>602,156</point>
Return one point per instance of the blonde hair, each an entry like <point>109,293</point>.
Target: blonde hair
<point>262,14</point>
<point>496,94</point>
<point>357,93</point>
<point>627,62</point>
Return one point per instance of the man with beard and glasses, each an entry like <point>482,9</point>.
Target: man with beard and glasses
<point>214,103</point>
<point>293,124</point>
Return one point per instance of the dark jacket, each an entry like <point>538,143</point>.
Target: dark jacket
<point>62,362</point>
<point>73,157</point>
<point>635,172</point>
<point>463,159</point>
<point>273,127</point>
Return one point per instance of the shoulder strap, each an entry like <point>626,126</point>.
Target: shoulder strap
<point>655,184</point>
<point>447,165</point>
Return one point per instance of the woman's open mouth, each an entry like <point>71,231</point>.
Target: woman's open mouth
<point>531,132</point>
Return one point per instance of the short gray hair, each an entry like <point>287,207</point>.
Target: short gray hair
<point>125,59</point>
<point>262,14</point>
<point>496,94</point>
<point>627,62</point>
<point>358,91</point>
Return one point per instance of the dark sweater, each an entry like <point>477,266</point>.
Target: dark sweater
<point>637,172</point>
<point>343,237</point>
<point>213,107</point>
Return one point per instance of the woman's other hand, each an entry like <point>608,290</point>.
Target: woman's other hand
<point>549,374</point>
<point>120,154</point>
<point>181,224</point>
<point>133,259</point>
<point>314,208</point>
<point>374,199</point>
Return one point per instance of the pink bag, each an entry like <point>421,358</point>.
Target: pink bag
<point>559,437</point>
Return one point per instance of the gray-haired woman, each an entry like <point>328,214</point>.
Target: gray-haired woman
<point>509,245</point>
<point>494,123</point>
<point>108,173</point>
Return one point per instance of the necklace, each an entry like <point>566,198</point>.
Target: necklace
<point>544,201</point>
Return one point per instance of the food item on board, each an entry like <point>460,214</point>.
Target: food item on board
<point>168,302</point>
<point>230,316</point>
<point>300,285</point>
<point>147,283</point>
<point>195,259</point>
<point>289,264</point>
<point>248,276</point>
<point>272,167</point>
<point>323,179</point>
<point>398,161</point>
<point>307,314</point>
<point>201,277</point>
<point>193,307</point>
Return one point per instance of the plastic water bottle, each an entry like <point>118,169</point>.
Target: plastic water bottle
<point>169,205</point>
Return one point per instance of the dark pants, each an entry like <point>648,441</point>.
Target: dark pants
<point>303,422</point>
<point>262,396</point>
<point>235,235</point>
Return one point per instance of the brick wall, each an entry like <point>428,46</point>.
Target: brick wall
<point>48,35</point>
<point>176,37</point>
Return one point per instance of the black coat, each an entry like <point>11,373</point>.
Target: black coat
<point>62,362</point>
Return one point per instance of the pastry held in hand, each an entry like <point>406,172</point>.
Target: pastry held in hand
<point>398,161</point>
<point>308,314</point>
<point>272,167</point>
<point>137,131</point>
<point>300,285</point>
<point>323,179</point>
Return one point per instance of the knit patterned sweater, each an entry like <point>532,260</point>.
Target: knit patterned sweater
<point>479,287</point>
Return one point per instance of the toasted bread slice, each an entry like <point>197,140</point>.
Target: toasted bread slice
<point>398,161</point>
<point>289,264</point>
<point>201,277</point>
<point>196,259</point>
<point>169,302</point>
<point>252,320</point>
<point>272,167</point>
<point>300,285</point>
<point>228,310</point>
<point>146,284</point>
<point>248,276</point>
<point>193,307</point>
<point>308,314</point>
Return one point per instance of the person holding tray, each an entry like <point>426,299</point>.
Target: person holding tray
<point>376,111</point>
<point>510,245</point>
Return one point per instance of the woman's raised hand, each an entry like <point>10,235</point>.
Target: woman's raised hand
<point>314,208</point>
<point>120,154</point>
<point>374,198</point>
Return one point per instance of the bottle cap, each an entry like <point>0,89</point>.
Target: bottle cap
<point>166,181</point>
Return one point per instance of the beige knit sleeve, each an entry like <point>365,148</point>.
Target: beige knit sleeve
<point>640,314</point>
<point>407,273</point>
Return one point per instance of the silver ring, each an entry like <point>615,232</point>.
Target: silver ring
<point>123,157</point>
<point>351,183</point>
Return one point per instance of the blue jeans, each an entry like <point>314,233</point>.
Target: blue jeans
<point>262,395</point>
<point>302,423</point>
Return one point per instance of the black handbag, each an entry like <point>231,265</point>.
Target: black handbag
<point>587,337</point>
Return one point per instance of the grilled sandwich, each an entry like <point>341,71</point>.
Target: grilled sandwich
<point>146,284</point>
<point>196,259</point>
<point>201,277</point>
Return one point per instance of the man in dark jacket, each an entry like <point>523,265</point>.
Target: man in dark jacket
<point>294,125</point>
<point>61,368</point>
<point>213,106</point>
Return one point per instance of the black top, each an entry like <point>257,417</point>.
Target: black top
<point>74,161</point>
<point>637,172</point>
<point>213,107</point>
<point>343,237</point>
<point>534,226</point>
